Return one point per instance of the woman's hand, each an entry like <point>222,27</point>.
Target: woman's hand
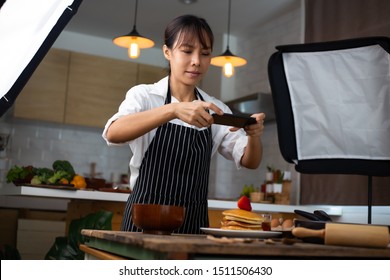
<point>254,150</point>
<point>195,113</point>
<point>254,130</point>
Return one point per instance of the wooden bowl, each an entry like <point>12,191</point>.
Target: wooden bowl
<point>156,218</point>
<point>95,183</point>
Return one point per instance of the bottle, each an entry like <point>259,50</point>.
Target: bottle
<point>286,187</point>
<point>269,189</point>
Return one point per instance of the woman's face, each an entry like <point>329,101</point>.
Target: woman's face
<point>188,59</point>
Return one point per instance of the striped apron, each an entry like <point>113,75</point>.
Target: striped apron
<point>175,171</point>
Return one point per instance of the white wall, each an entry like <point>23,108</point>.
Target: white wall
<point>40,144</point>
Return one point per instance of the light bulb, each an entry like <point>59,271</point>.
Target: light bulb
<point>228,69</point>
<point>134,50</point>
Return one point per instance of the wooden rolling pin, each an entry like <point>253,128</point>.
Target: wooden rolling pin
<point>348,235</point>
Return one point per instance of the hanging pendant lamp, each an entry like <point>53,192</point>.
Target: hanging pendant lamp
<point>133,41</point>
<point>228,60</point>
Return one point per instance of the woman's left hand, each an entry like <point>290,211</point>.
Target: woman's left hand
<point>254,130</point>
<point>254,149</point>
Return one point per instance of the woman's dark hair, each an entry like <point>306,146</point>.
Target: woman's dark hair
<point>189,27</point>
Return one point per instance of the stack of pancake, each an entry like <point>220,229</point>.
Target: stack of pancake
<point>238,219</point>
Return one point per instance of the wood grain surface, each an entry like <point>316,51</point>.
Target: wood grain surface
<point>193,245</point>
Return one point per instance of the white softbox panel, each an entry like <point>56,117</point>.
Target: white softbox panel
<point>341,103</point>
<point>25,26</point>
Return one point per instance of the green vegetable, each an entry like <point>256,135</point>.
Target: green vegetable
<point>57,176</point>
<point>66,166</point>
<point>43,174</point>
<point>20,173</point>
<point>35,180</point>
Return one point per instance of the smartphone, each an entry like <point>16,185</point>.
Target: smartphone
<point>233,120</point>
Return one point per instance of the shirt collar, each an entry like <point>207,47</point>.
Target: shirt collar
<point>161,87</point>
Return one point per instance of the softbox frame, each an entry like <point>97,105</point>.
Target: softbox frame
<point>36,48</point>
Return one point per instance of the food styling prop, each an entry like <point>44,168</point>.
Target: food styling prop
<point>157,218</point>
<point>356,235</point>
<point>244,203</point>
<point>322,215</point>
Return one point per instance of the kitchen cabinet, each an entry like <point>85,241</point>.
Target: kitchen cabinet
<point>36,237</point>
<point>80,89</point>
<point>96,87</point>
<point>148,74</point>
<point>43,97</point>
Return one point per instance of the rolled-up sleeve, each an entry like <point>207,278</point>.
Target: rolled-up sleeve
<point>128,106</point>
<point>232,145</point>
<point>104,134</point>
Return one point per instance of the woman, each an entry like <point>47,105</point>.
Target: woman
<point>170,130</point>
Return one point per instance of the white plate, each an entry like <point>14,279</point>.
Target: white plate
<point>240,233</point>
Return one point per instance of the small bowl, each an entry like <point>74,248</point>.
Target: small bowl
<point>157,218</point>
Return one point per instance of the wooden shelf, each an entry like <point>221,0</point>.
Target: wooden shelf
<point>80,89</point>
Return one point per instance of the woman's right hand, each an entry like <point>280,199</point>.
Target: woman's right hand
<point>196,113</point>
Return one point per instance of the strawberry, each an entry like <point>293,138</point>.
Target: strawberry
<point>244,203</point>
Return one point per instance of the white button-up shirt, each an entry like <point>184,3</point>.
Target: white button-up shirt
<point>147,96</point>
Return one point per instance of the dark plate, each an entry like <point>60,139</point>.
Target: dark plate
<point>307,215</point>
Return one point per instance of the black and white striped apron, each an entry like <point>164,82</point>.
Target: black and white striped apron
<point>175,171</point>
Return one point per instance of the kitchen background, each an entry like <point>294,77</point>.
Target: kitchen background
<point>39,143</point>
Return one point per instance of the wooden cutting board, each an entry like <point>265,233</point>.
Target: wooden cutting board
<point>348,235</point>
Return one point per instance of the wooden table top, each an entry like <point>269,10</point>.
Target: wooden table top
<point>181,246</point>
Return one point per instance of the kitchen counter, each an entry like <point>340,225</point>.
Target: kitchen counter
<point>62,193</point>
<point>58,200</point>
<point>133,245</point>
<point>214,204</point>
